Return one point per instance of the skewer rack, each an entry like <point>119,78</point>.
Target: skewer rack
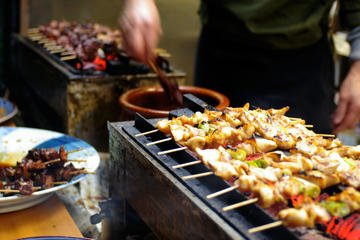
<point>174,208</point>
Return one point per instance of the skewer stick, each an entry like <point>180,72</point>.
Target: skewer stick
<point>326,135</point>
<point>33,30</point>
<point>58,160</point>
<point>44,40</point>
<point>55,47</point>
<point>160,141</point>
<point>172,150</point>
<point>82,171</point>
<point>197,175</point>
<point>226,190</point>
<point>16,190</point>
<point>186,164</point>
<point>67,53</point>
<point>295,119</point>
<point>76,150</point>
<point>309,126</point>
<point>71,57</point>
<point>240,204</point>
<point>58,51</point>
<point>60,183</point>
<point>146,133</point>
<point>50,44</point>
<point>153,67</point>
<point>265,227</point>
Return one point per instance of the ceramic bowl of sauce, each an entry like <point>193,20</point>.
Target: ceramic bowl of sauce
<point>152,102</point>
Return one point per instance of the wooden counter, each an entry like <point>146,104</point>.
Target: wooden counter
<point>49,218</point>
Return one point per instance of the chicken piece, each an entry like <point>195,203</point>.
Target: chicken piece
<point>319,178</point>
<point>349,196</point>
<point>350,178</point>
<point>292,217</point>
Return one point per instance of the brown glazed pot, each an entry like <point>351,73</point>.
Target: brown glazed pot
<point>151,102</point>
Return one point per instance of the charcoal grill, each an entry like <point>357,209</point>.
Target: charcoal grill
<point>53,94</point>
<point>171,207</point>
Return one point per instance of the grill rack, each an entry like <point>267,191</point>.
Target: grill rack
<point>240,219</point>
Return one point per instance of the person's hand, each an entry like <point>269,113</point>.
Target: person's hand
<point>347,113</point>
<point>141,29</point>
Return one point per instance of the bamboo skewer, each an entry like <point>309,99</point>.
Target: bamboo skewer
<point>55,47</point>
<point>160,141</point>
<point>172,150</point>
<point>197,175</point>
<point>58,51</point>
<point>60,183</point>
<point>16,190</point>
<point>226,190</point>
<point>67,53</point>
<point>240,204</point>
<point>309,126</point>
<point>146,133</point>
<point>186,164</point>
<point>326,135</point>
<point>71,57</point>
<point>33,30</point>
<point>76,150</point>
<point>265,227</point>
<point>82,171</point>
<point>58,160</point>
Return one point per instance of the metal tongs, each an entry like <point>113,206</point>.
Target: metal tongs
<point>171,88</point>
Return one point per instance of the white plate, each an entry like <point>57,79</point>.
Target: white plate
<point>16,141</point>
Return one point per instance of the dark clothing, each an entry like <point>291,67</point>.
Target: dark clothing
<point>283,24</point>
<point>247,71</point>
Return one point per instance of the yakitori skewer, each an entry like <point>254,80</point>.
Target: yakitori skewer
<point>58,160</point>
<point>309,126</point>
<point>172,150</point>
<point>60,183</point>
<point>67,53</point>
<point>326,135</point>
<point>71,57</point>
<point>57,51</point>
<point>219,193</point>
<point>265,227</point>
<point>197,175</point>
<point>240,204</point>
<point>82,171</point>
<point>55,47</point>
<point>146,133</point>
<point>50,44</point>
<point>33,30</point>
<point>159,141</point>
<point>17,191</point>
<point>186,164</point>
<point>76,150</point>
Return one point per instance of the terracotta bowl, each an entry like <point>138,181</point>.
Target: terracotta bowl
<point>151,102</point>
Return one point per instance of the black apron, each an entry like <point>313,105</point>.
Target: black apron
<point>302,79</point>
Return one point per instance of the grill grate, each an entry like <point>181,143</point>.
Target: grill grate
<point>241,219</point>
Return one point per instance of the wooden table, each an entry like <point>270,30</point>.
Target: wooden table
<point>49,218</point>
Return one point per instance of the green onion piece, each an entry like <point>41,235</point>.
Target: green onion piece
<point>350,162</point>
<point>257,163</point>
<point>237,154</point>
<point>204,126</point>
<point>338,209</point>
<point>310,189</point>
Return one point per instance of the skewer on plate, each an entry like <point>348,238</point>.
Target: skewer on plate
<point>82,171</point>
<point>265,227</point>
<point>16,190</point>
<point>60,182</point>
